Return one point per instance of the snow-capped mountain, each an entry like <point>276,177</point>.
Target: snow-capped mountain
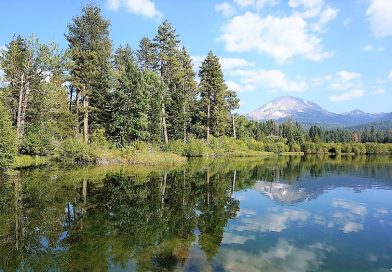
<point>305,111</point>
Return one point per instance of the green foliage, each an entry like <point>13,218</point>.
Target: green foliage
<point>197,148</point>
<point>214,97</point>
<point>75,150</point>
<point>98,138</point>
<point>37,143</point>
<point>295,148</point>
<point>255,145</point>
<point>90,52</point>
<point>29,161</point>
<point>177,147</point>
<point>129,101</point>
<point>8,143</point>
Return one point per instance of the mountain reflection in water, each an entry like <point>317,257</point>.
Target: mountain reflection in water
<point>274,214</point>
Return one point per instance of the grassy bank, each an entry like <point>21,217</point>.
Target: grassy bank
<point>75,151</point>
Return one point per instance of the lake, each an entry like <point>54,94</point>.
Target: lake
<point>272,214</point>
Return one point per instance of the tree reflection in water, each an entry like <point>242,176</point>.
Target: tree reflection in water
<point>95,219</point>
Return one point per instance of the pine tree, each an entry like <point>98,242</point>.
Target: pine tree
<point>166,42</point>
<point>213,93</point>
<point>156,90</point>
<point>129,102</point>
<point>147,55</point>
<point>90,51</point>
<point>183,96</point>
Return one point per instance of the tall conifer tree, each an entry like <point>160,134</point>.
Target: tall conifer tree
<point>213,93</point>
<point>90,50</point>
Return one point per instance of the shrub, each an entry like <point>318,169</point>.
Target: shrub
<point>347,148</point>
<point>75,150</point>
<point>295,148</point>
<point>255,145</point>
<point>281,147</point>
<point>37,143</point>
<point>141,146</point>
<point>358,148</point>
<point>98,138</point>
<point>176,146</point>
<point>310,148</point>
<point>197,148</point>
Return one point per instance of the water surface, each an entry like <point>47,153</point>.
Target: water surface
<point>276,214</point>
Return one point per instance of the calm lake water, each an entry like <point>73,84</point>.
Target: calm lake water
<point>277,214</point>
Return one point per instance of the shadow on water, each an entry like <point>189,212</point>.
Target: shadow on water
<point>101,219</point>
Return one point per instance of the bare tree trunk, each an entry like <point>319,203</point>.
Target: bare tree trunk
<point>184,125</point>
<point>183,188</point>
<point>20,103</point>
<point>208,123</point>
<point>165,137</point>
<point>233,183</point>
<point>71,91</point>
<point>18,210</point>
<point>84,192</point>
<point>208,186</point>
<point>24,109</point>
<point>77,98</point>
<point>163,189</point>
<point>233,124</point>
<point>85,118</point>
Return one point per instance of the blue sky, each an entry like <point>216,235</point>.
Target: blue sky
<point>333,52</point>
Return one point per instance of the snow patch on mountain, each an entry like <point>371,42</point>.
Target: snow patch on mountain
<point>306,111</point>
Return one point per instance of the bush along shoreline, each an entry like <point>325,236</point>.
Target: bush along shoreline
<point>176,152</point>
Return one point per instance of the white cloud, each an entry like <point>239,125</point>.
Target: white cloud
<point>231,63</point>
<point>347,76</point>
<point>244,3</point>
<point>273,222</point>
<point>355,93</point>
<point>371,48</point>
<point>345,80</point>
<point>379,15</point>
<point>240,88</point>
<point>226,63</point>
<point>283,256</point>
<point>271,80</point>
<point>225,8</point>
<point>380,212</point>
<point>350,226</point>
<point>258,4</point>
<point>230,238</point>
<point>280,37</point>
<point>349,215</point>
<point>326,16</point>
<point>378,91</point>
<point>310,8</point>
<point>390,75</point>
<point>352,207</point>
<point>140,7</point>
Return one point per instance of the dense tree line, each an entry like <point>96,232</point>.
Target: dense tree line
<point>294,132</point>
<point>148,94</point>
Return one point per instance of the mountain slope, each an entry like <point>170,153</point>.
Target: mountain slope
<point>304,111</point>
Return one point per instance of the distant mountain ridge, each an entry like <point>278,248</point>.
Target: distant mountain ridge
<point>308,112</point>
